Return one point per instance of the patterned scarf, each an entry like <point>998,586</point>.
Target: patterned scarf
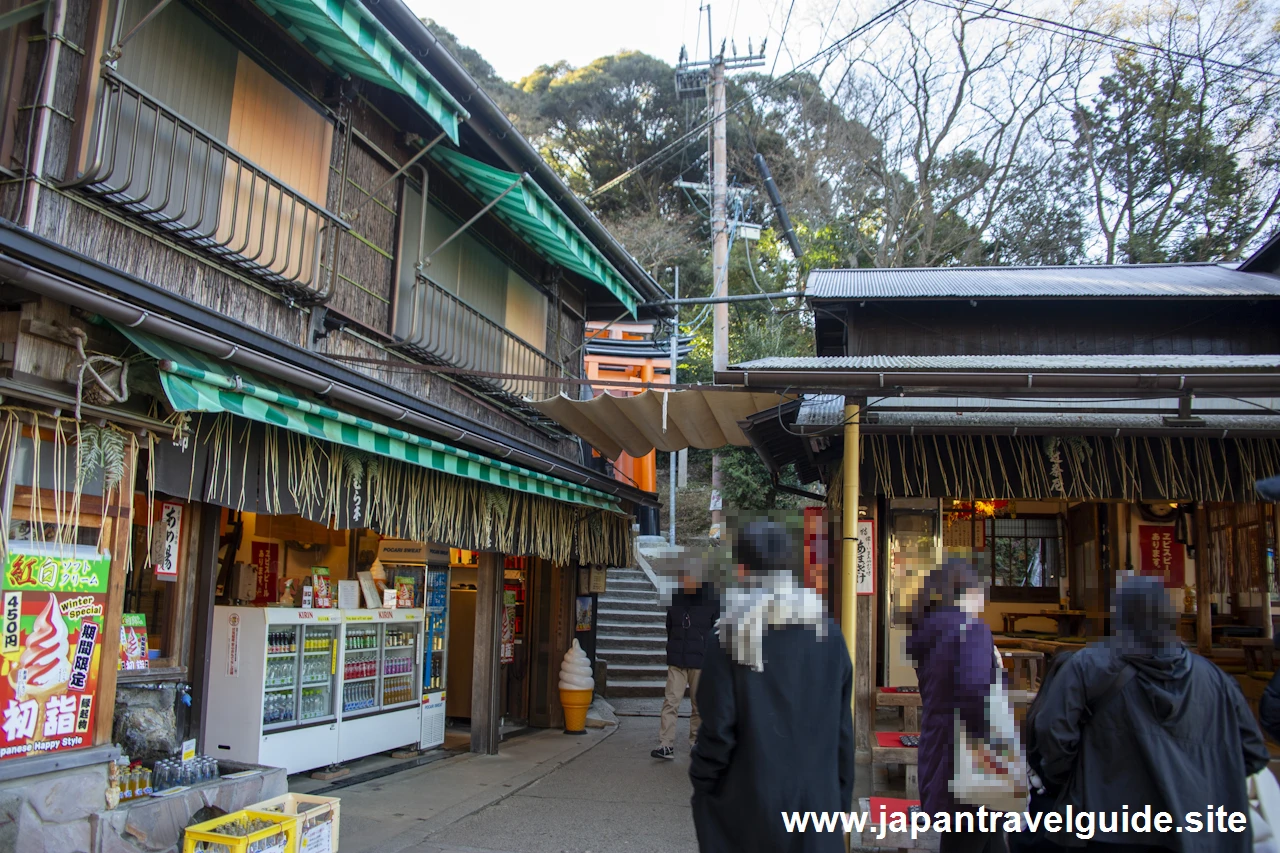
<point>772,600</point>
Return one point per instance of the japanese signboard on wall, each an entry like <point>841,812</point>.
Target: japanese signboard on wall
<point>50,651</point>
<point>866,567</point>
<point>266,563</point>
<point>1161,554</point>
<point>508,626</point>
<point>133,642</point>
<point>168,538</point>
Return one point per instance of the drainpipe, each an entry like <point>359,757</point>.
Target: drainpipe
<point>41,109</point>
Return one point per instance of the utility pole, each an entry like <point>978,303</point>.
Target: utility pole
<point>688,76</point>
<point>719,264</point>
<point>671,457</point>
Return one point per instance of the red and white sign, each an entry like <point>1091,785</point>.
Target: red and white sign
<point>266,559</point>
<point>1161,555</point>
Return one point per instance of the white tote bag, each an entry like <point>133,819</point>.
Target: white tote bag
<point>991,772</point>
<point>1264,811</point>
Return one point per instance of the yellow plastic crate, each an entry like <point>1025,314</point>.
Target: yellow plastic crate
<point>312,811</point>
<point>215,836</point>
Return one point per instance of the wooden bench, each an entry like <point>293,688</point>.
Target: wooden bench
<point>1259,654</point>
<point>889,750</point>
<point>886,697</point>
<point>1026,668</point>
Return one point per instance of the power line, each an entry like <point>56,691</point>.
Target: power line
<point>665,152</point>
<point>1106,39</point>
<point>782,41</point>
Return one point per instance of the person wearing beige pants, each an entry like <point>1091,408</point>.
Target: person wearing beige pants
<point>691,620</point>
<point>677,679</point>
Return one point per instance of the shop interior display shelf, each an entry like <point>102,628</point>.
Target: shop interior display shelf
<point>406,704</point>
<point>354,680</point>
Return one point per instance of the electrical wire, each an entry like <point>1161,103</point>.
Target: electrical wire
<point>666,152</point>
<point>1107,39</point>
<point>782,42</point>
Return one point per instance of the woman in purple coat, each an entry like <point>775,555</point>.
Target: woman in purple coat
<point>951,648</point>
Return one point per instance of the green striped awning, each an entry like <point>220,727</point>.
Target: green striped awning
<point>195,382</point>
<point>343,33</point>
<point>538,220</point>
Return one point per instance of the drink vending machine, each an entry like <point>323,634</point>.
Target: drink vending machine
<point>435,656</point>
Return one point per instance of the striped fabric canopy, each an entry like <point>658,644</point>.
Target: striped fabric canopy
<point>343,33</point>
<point>194,382</point>
<point>538,220</point>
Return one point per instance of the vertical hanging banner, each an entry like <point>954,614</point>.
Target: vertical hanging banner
<point>1161,554</point>
<point>168,541</point>
<point>866,566</point>
<point>50,651</point>
<point>266,560</point>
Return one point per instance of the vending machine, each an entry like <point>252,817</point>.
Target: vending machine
<point>435,659</point>
<point>274,677</point>
<point>381,669</point>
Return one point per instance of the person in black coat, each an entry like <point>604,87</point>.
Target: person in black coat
<point>1269,708</point>
<point>1140,721</point>
<point>691,618</point>
<point>777,725</point>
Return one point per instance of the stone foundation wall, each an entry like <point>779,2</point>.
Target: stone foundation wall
<point>65,812</point>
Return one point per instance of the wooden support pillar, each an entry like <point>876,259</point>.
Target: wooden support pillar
<point>849,606</point>
<point>1204,616</point>
<point>485,666</point>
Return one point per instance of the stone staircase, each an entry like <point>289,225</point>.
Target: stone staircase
<point>632,635</point>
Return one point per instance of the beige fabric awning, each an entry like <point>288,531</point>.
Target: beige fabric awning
<point>638,424</point>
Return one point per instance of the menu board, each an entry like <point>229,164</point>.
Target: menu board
<point>51,622</point>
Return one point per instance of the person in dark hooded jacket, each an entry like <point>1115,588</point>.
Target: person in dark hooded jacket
<point>1269,708</point>
<point>777,721</point>
<point>1139,721</point>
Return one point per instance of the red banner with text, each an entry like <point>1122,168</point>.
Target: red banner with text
<point>1161,555</point>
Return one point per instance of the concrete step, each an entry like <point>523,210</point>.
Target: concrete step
<point>640,596</point>
<point>626,573</point>
<point>634,629</point>
<point>620,637</point>
<point>640,688</point>
<point>637,616</point>
<point>628,582</point>
<point>626,671</point>
<point>624,658</point>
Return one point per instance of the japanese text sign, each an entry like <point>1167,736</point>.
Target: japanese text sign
<point>866,566</point>
<point>1161,555</point>
<point>168,541</point>
<point>51,612</point>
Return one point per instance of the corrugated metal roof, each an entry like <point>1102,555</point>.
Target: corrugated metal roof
<point>1135,280</point>
<point>1016,362</point>
<point>820,411</point>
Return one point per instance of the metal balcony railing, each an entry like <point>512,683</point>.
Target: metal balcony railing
<point>447,329</point>
<point>154,166</point>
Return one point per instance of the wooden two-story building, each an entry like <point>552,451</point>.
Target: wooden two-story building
<point>1051,426</point>
<point>277,280</point>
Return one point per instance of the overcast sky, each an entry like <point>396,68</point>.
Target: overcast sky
<point>516,36</point>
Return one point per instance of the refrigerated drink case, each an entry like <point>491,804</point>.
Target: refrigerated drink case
<point>319,674</point>
<point>381,673</point>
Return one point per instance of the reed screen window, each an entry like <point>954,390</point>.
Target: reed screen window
<point>1025,553</point>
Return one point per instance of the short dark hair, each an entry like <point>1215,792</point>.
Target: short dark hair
<point>1144,615</point>
<point>943,587</point>
<point>765,546</point>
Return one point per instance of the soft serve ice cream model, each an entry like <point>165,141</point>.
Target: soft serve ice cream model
<point>44,667</point>
<point>576,687</point>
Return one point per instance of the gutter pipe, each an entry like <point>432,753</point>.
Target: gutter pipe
<point>85,298</point>
<point>938,381</point>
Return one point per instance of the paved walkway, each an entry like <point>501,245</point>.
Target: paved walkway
<point>545,793</point>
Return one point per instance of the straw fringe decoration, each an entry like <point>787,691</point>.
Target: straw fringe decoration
<point>1052,468</point>
<point>407,501</point>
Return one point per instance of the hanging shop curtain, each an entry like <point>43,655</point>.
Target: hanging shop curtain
<point>529,212</point>
<point>662,420</point>
<point>194,382</point>
<point>344,34</point>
